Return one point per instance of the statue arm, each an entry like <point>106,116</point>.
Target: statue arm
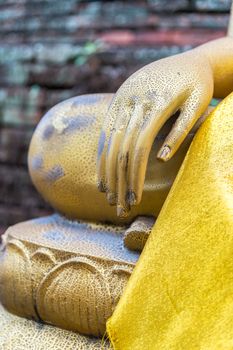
<point>220,55</point>
<point>183,83</point>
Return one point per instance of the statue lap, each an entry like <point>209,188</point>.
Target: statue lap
<point>70,270</point>
<point>63,162</point>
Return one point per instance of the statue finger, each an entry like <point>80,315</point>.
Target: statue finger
<point>124,158</point>
<point>112,152</point>
<point>189,114</point>
<point>104,137</point>
<point>149,131</point>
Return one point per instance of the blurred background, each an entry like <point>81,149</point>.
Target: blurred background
<point>51,50</point>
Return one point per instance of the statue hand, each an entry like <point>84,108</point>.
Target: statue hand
<point>141,106</point>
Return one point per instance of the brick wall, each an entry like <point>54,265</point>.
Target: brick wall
<point>51,50</point>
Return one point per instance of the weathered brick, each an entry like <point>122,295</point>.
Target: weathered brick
<point>20,106</point>
<point>17,189</point>
<point>14,145</point>
<point>10,215</point>
<point>213,5</point>
<point>167,5</point>
<point>190,37</point>
<point>19,200</point>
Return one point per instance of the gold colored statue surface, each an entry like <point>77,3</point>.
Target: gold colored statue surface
<point>69,274</point>
<point>70,269</point>
<point>63,161</point>
<point>184,83</point>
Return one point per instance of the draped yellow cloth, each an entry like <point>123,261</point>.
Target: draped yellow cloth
<point>180,295</point>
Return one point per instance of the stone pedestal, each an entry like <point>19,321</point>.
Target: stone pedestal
<point>64,273</point>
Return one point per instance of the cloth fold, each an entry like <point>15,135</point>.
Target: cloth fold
<point>180,295</point>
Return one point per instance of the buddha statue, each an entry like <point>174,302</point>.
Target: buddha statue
<point>69,269</point>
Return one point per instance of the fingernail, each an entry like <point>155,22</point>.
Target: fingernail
<point>101,186</point>
<point>112,198</point>
<point>122,212</point>
<point>131,198</point>
<point>164,154</point>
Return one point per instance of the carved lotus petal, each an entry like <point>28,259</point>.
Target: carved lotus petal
<point>42,261</point>
<point>119,278</point>
<point>74,295</point>
<point>15,277</point>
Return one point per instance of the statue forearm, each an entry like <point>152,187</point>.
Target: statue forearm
<point>220,55</point>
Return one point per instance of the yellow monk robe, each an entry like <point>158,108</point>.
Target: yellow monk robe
<point>180,295</point>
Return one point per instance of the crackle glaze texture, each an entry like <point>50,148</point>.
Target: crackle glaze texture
<point>63,162</point>
<point>183,83</point>
<point>21,334</point>
<point>180,295</point>
<point>69,274</point>
<point>136,235</point>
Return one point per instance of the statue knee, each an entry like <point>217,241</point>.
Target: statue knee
<point>62,153</point>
